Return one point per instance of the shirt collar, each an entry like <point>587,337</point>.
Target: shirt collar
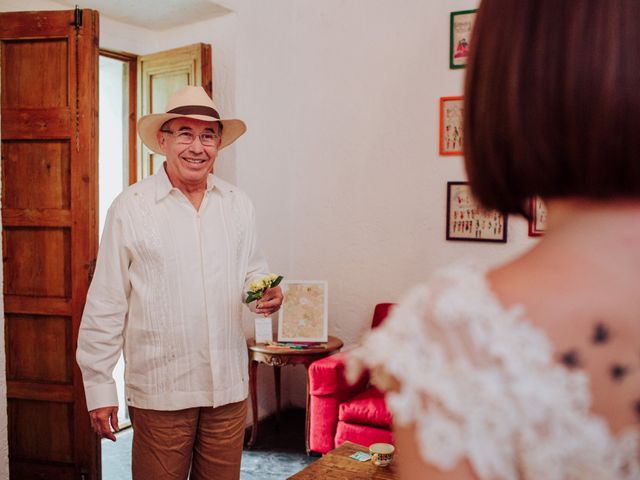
<point>164,187</point>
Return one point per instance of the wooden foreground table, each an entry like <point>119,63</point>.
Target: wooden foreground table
<point>337,465</point>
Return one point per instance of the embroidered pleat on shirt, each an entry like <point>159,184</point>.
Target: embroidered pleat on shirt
<point>168,289</point>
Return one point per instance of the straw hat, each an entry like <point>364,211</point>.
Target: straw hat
<point>190,102</point>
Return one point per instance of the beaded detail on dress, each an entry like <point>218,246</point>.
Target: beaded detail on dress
<point>480,382</point>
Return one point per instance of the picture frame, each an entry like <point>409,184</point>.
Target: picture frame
<point>537,217</point>
<point>451,125</point>
<point>304,313</point>
<point>461,25</point>
<point>466,220</point>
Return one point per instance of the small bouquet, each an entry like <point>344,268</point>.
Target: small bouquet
<point>258,287</point>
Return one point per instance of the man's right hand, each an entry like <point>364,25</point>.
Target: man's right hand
<point>102,419</point>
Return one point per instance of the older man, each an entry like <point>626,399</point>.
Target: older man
<point>176,258</point>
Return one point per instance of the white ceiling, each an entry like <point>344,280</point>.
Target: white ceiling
<point>152,14</point>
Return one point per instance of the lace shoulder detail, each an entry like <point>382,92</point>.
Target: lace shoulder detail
<point>480,382</point>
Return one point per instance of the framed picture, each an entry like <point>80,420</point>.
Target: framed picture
<point>537,217</point>
<point>466,220</point>
<point>460,35</point>
<point>304,313</point>
<point>451,134</point>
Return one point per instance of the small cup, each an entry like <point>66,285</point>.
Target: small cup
<point>381,454</point>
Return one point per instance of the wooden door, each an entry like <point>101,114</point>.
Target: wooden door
<point>162,73</point>
<point>49,131</point>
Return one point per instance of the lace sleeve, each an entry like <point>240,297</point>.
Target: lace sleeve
<point>480,383</point>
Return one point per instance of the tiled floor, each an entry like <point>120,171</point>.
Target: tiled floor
<point>278,453</point>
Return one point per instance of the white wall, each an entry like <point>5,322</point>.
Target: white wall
<point>341,99</point>
<point>341,153</point>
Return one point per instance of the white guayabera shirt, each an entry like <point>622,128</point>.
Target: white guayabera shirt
<point>168,289</point>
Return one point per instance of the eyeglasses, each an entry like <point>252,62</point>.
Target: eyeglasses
<point>185,137</point>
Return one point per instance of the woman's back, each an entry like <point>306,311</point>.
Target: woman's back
<point>530,370</point>
<point>580,287</point>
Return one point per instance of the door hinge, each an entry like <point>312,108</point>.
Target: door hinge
<point>77,18</point>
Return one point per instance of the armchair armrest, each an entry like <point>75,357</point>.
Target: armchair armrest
<point>328,388</point>
<point>327,377</point>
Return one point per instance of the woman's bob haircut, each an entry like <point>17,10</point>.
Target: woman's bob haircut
<point>552,101</point>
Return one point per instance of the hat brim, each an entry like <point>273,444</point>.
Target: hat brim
<point>149,126</point>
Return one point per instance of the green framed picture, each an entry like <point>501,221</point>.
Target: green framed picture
<point>460,36</point>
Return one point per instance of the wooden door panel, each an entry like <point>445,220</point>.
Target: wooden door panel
<point>55,393</point>
<point>34,123</point>
<point>31,418</point>
<point>45,165</point>
<point>38,25</point>
<point>36,66</point>
<point>30,435</point>
<point>163,84</point>
<point>17,217</point>
<point>47,334</point>
<point>50,187</point>
<point>24,470</point>
<point>37,262</point>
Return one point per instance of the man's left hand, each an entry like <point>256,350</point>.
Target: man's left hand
<point>270,301</point>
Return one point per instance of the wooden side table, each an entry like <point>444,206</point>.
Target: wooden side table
<point>278,358</point>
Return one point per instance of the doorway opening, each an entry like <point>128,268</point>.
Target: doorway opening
<point>113,161</point>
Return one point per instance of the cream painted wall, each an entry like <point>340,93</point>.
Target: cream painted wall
<point>341,156</point>
<point>341,98</point>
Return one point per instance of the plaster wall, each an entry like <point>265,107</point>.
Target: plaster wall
<point>341,156</point>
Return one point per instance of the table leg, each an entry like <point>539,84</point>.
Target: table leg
<point>253,373</point>
<point>276,377</point>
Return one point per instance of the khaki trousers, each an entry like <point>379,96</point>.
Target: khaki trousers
<point>208,440</point>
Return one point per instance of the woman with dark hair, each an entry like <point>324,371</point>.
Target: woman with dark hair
<point>531,370</point>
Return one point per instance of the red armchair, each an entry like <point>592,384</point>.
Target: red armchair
<point>339,411</point>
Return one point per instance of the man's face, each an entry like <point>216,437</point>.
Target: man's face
<point>189,164</point>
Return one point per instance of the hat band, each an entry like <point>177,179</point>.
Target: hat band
<point>195,110</point>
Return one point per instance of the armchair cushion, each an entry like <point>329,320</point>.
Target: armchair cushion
<point>367,408</point>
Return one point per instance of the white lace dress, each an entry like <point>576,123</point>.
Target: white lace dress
<point>480,382</point>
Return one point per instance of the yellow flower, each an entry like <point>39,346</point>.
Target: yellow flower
<point>258,287</point>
